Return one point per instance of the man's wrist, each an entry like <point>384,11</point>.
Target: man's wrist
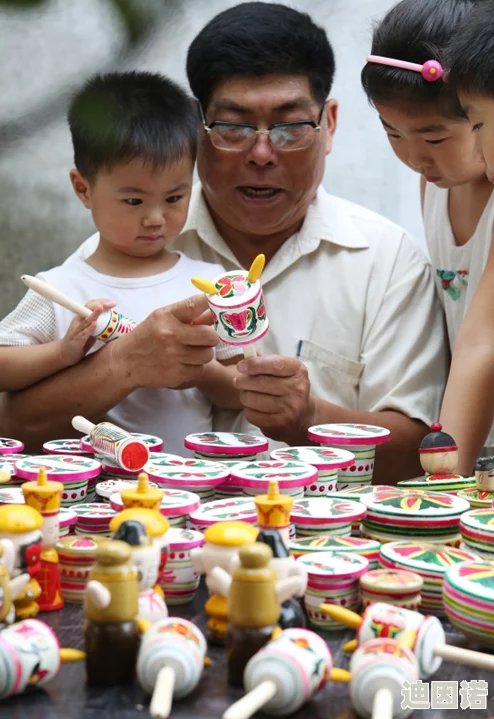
<point>120,366</point>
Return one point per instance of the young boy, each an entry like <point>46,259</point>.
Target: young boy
<point>134,138</point>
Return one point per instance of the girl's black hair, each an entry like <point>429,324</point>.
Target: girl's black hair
<point>415,31</point>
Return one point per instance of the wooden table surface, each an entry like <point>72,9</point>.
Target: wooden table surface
<point>67,697</point>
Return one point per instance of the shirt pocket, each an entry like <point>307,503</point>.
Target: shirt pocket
<point>333,377</point>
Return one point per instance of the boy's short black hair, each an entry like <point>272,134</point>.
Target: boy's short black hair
<point>255,39</point>
<point>471,52</point>
<point>415,31</point>
<point>120,117</point>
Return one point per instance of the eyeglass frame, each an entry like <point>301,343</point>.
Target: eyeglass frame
<point>222,123</point>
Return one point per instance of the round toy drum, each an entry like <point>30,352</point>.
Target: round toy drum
<point>179,580</point>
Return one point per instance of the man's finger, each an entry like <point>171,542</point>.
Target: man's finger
<point>274,365</point>
<point>263,384</point>
<point>267,404</point>
<point>200,336</point>
<point>189,309</point>
<point>197,356</point>
<point>207,318</point>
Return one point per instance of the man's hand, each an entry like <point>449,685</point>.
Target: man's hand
<point>167,349</point>
<point>275,393</point>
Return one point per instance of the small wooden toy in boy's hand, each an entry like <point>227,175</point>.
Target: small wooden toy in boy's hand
<point>237,302</point>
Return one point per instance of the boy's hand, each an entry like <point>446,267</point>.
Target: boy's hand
<point>79,338</point>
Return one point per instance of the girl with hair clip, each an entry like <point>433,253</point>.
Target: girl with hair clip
<point>405,79</point>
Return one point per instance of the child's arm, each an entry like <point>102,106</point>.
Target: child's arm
<point>217,383</point>
<point>23,366</point>
<point>468,406</point>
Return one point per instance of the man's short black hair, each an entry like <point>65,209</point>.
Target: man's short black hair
<point>415,31</point>
<point>471,52</point>
<point>120,117</point>
<point>255,39</point>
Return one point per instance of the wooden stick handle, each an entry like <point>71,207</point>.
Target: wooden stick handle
<point>251,702</point>
<point>51,293</point>
<point>81,424</point>
<point>161,702</point>
<point>382,707</point>
<point>458,655</point>
<point>249,351</point>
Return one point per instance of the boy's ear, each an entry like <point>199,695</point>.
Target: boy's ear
<point>82,188</point>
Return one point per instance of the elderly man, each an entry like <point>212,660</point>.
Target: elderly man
<point>356,331</point>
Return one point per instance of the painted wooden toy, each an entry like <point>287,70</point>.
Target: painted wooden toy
<point>284,565</point>
<point>22,526</point>
<point>292,477</point>
<point>93,518</point>
<point>9,588</point>
<point>477,531</point>
<point>222,510</point>
<point>254,604</point>
<point>200,476</point>
<point>67,520</point>
<point>361,440</point>
<point>273,511</point>
<point>153,443</point>
<point>107,487</point>
<point>285,674</point>
<point>111,630</point>
<point>30,657</point>
<point>176,505</point>
<point>143,495</point>
<point>379,669</point>
<point>430,561</point>
<point>11,495</point>
<point>110,324</point>
<point>424,635</point>
<point>156,526</point>
<point>367,548</point>
<point>468,598</point>
<point>226,445</point>
<point>45,497</point>
<point>327,461</point>
<point>484,474</point>
<point>179,580</point>
<point>170,663</point>
<point>222,542</point>
<point>438,452</point>
<point>76,556</point>
<point>10,446</point>
<point>316,516</point>
<point>65,446</point>
<point>73,472</point>
<point>392,586</point>
<point>237,303</point>
<point>146,558</point>
<point>7,467</point>
<point>115,443</point>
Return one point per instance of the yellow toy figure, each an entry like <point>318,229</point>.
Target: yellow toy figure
<point>45,496</point>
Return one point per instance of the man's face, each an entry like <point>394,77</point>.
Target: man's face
<point>263,191</point>
<point>480,111</point>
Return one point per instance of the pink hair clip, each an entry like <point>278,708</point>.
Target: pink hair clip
<point>431,70</point>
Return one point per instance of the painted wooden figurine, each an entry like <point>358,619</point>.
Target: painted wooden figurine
<point>45,496</point>
<point>222,542</point>
<point>484,474</point>
<point>22,526</point>
<point>254,604</point>
<point>438,453</point>
<point>146,558</point>
<point>126,450</point>
<point>284,565</point>
<point>143,495</point>
<point>9,588</point>
<point>111,630</point>
<point>273,511</point>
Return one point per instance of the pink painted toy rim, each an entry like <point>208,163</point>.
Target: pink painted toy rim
<point>216,449</point>
<point>337,440</point>
<point>185,482</point>
<point>330,464</point>
<point>222,306</point>
<point>72,477</point>
<point>11,450</point>
<point>186,545</point>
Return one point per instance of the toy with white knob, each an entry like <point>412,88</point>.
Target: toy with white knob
<point>378,669</point>
<point>237,302</point>
<point>110,324</point>
<point>425,635</point>
<point>285,674</point>
<point>170,662</point>
<point>111,441</point>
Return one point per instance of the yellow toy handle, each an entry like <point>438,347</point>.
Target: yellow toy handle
<point>342,615</point>
<point>350,646</point>
<point>408,639</point>
<point>340,675</point>
<point>71,655</point>
<point>204,286</point>
<point>256,269</point>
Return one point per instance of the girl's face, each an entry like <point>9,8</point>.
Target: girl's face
<point>441,149</point>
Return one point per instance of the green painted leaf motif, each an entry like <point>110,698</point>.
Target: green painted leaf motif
<point>485,517</point>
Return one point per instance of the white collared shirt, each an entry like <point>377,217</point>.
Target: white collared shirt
<point>352,296</point>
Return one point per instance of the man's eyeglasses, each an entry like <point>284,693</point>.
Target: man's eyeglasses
<point>283,136</point>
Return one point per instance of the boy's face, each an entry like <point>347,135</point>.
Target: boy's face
<point>137,209</point>
<point>480,111</point>
<point>440,149</point>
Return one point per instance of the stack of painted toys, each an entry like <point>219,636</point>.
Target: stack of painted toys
<point>367,548</point>
<point>285,674</point>
<point>176,505</point>
<point>395,515</point>
<point>73,472</point>
<point>482,494</point>
<point>222,542</point>
<point>439,458</point>
<point>391,586</point>
<point>477,531</point>
<point>179,580</point>
<point>68,520</point>
<point>76,556</point>
<point>237,303</point>
<point>468,598</point>
<point>10,454</point>
<point>194,475</point>
<point>356,494</point>
<point>67,447</point>
<point>326,516</point>
<point>424,635</point>
<point>333,577</point>
<point>327,461</point>
<point>222,510</point>
<point>430,561</point>
<point>93,518</point>
<point>361,440</point>
<point>292,477</point>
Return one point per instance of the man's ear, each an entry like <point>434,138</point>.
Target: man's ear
<point>82,187</point>
<point>331,114</point>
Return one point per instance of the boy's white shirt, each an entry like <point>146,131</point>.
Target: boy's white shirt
<point>169,414</point>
